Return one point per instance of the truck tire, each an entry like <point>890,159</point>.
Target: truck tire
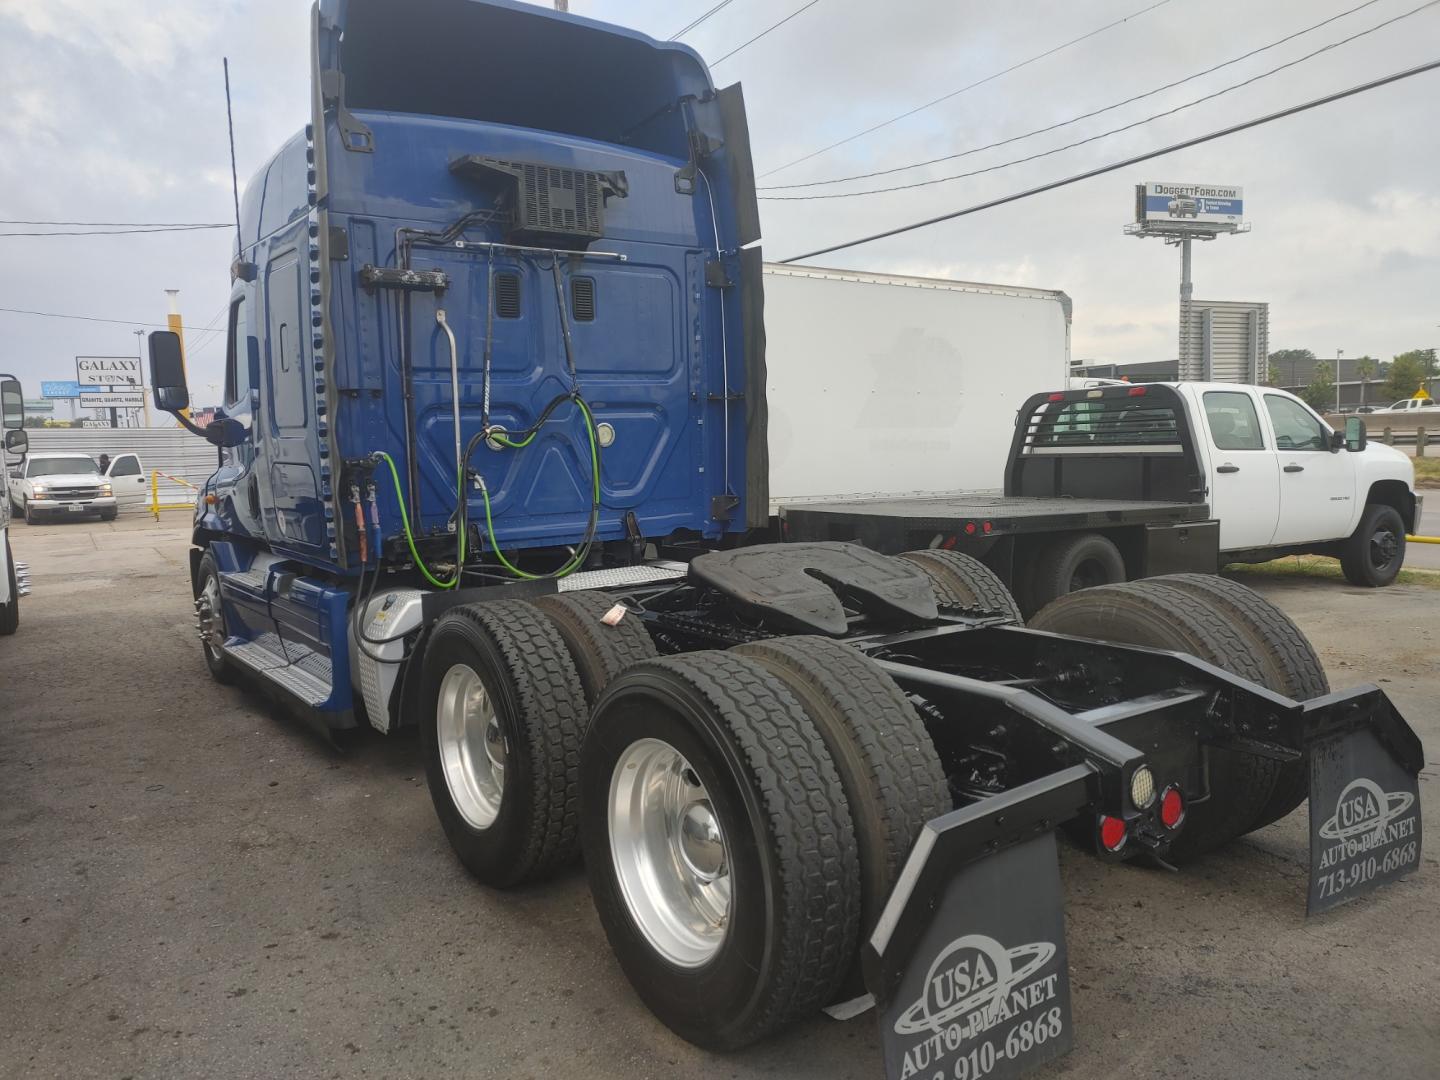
<point>600,652</point>
<point>1292,667</point>
<point>888,767</point>
<point>502,717</point>
<point>1163,617</point>
<point>963,581</point>
<point>10,610</point>
<point>1375,551</point>
<point>207,592</point>
<point>30,518</point>
<point>1069,564</point>
<point>109,515</point>
<point>705,770</point>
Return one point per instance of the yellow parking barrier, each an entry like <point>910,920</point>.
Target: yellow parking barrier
<point>155,504</point>
<point>1423,539</point>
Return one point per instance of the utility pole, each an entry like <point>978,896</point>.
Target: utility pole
<point>140,355</point>
<point>1339,356</point>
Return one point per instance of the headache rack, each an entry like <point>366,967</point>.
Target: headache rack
<point>1115,442</point>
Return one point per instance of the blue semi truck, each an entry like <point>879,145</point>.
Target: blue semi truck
<point>493,466</point>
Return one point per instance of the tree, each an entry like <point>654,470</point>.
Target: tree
<point>1408,372</point>
<point>1319,393</point>
<point>1289,366</point>
<point>1364,371</point>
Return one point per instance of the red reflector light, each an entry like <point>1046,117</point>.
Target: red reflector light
<point>969,528</point>
<point>1112,833</point>
<point>1172,808</point>
<point>1136,391</point>
<point>1057,397</point>
<point>987,526</point>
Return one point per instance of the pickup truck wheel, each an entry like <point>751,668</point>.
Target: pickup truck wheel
<point>210,620</point>
<point>962,581</point>
<point>108,515</point>
<point>1069,564</point>
<point>30,516</point>
<point>502,716</point>
<point>719,847</point>
<point>1291,665</point>
<point>1376,550</point>
<point>600,652</point>
<point>10,610</point>
<point>887,764</point>
<point>1163,617</point>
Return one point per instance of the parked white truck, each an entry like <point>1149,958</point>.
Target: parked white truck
<point>1106,484</point>
<point>68,484</point>
<point>13,579</point>
<point>909,384</point>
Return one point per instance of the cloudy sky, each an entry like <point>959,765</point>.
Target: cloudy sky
<point>114,111</point>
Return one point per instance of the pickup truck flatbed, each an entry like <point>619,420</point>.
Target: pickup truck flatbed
<point>1108,484</point>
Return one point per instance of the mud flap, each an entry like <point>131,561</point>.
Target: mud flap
<point>1364,819</point>
<point>968,963</point>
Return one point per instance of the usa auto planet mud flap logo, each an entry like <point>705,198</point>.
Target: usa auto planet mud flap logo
<point>1364,820</point>
<point>987,992</point>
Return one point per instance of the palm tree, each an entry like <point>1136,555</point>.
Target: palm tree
<point>1364,371</point>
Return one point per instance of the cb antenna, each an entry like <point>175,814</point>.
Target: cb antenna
<point>234,177</point>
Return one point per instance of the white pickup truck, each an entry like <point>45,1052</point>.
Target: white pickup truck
<point>54,484</point>
<point>13,579</point>
<point>1109,483</point>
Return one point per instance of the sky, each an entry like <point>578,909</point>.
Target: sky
<point>116,112</point>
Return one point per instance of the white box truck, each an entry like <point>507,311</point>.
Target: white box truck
<point>881,384</point>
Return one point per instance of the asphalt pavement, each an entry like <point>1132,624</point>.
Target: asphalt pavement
<point>194,884</point>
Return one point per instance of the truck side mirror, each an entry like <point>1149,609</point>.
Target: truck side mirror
<point>1354,433</point>
<point>12,404</point>
<point>167,372</point>
<point>17,441</point>
<point>226,432</point>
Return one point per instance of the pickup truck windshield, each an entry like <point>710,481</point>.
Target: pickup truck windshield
<point>57,466</point>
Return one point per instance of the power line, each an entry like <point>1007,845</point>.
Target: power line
<point>691,26</point>
<point>777,26</point>
<point>1083,116</point>
<point>94,318</point>
<point>129,224</point>
<point>1104,134</point>
<point>121,232</point>
<point>1126,163</point>
<point>963,89</point>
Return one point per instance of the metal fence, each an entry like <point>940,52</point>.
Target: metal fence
<point>170,450</point>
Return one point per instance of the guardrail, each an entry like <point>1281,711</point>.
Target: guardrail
<point>156,505</point>
<point>1419,437</point>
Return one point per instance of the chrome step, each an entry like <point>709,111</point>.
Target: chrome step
<point>302,672</point>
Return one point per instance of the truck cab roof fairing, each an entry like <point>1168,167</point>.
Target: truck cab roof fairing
<point>513,63</point>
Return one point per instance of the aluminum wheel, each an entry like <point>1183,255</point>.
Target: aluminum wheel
<point>473,750</point>
<point>210,617</point>
<point>669,853</point>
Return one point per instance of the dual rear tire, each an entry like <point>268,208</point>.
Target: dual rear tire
<point>743,815</point>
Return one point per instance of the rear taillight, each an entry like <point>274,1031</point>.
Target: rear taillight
<point>1136,391</point>
<point>1112,833</point>
<point>1172,808</point>
<point>1056,397</point>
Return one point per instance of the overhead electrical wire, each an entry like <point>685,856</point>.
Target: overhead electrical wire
<point>776,26</point>
<point>94,318</point>
<point>969,86</point>
<point>692,25</point>
<point>1103,134</point>
<point>1314,103</point>
<point>121,232</point>
<point>1075,119</point>
<point>127,224</point>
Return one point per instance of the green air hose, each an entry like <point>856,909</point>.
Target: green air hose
<point>594,472</point>
<point>410,537</point>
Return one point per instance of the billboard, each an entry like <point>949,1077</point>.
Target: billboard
<point>107,370</point>
<point>60,389</point>
<point>1198,204</point>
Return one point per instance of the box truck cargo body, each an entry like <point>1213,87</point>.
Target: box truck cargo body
<point>884,384</point>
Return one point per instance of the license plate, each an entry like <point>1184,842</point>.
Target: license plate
<point>74,508</point>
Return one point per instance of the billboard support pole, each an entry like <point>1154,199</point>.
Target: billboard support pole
<point>1187,293</point>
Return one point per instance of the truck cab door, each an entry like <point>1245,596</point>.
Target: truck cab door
<point>1244,474</point>
<point>127,480</point>
<point>1317,484</point>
